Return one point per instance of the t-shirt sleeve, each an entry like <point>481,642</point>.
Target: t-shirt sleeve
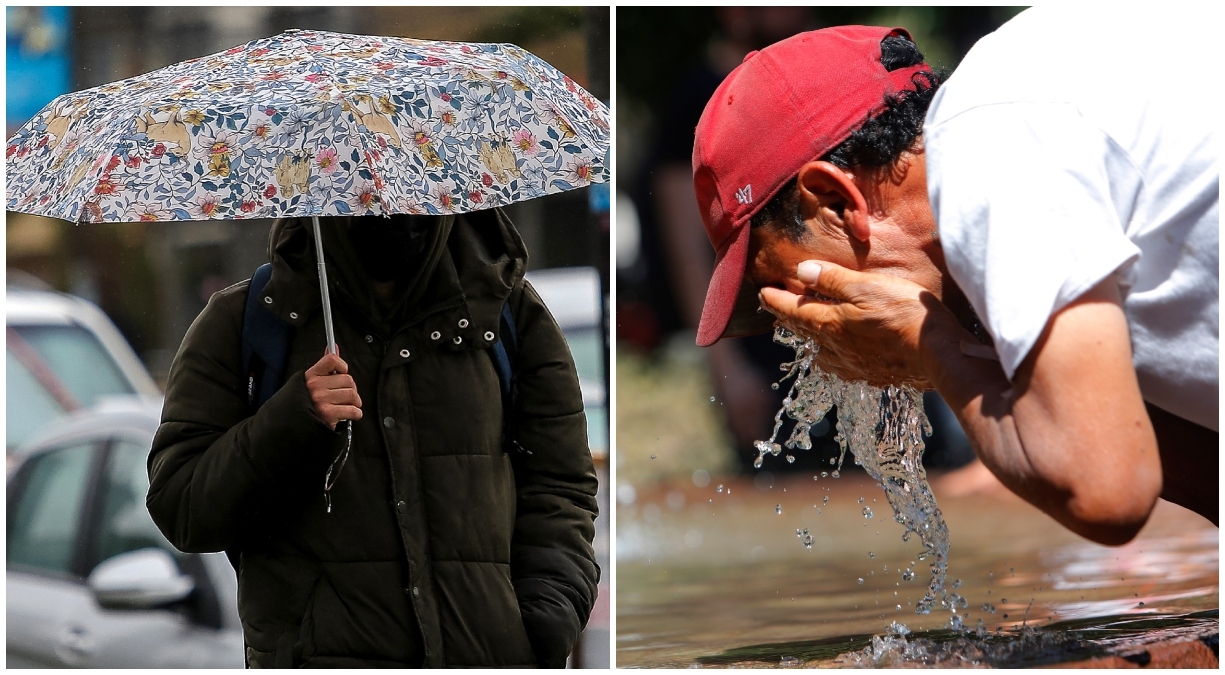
<point>1022,197</point>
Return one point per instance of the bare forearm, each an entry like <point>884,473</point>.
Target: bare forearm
<point>980,395</point>
<point>1081,465</point>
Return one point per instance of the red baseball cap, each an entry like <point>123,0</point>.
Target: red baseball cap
<point>783,107</point>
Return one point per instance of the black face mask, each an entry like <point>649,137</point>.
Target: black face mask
<point>389,247</point>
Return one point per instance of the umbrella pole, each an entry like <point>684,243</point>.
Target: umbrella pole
<point>323,288</point>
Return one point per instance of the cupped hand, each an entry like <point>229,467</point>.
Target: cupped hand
<point>332,390</point>
<point>869,326</point>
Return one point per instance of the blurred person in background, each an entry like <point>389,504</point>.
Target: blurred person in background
<point>1040,250</point>
<point>741,371</point>
<point>457,528</point>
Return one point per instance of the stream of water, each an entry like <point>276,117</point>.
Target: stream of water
<point>883,429</point>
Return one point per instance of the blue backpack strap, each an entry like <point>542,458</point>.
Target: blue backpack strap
<point>504,353</point>
<point>265,349</point>
<point>501,357</point>
<point>265,343</point>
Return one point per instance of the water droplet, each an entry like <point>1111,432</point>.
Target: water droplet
<point>860,581</point>
<point>818,512</point>
<point>871,554</point>
<point>790,459</point>
<point>906,535</point>
<point>1140,605</point>
<point>774,386</point>
<point>778,508</point>
<point>1003,599</point>
<point>789,661</point>
<point>712,399</point>
<point>834,474</point>
<point>654,456</point>
<point>719,489</point>
<point>867,512</point>
<point>833,461</point>
<point>825,500</point>
<point>908,575</point>
<point>860,501</point>
<point>956,583</point>
<point>824,474</point>
<point>899,608</point>
<point>757,462</point>
<point>797,531</point>
<point>988,608</point>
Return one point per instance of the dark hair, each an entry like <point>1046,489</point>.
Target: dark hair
<point>877,144</point>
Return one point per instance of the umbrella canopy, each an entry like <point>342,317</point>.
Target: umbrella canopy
<point>311,123</point>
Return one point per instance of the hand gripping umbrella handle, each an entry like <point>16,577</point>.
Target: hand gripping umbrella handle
<point>323,289</point>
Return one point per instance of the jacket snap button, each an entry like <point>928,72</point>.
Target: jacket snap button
<point>404,353</point>
<point>369,338</point>
<point>388,422</point>
<point>267,299</point>
<point>457,339</point>
<point>489,336</point>
<point>293,315</point>
<point>416,592</point>
<point>435,335</point>
<point>463,323</point>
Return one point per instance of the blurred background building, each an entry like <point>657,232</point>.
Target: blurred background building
<point>682,409</point>
<point>153,279</point>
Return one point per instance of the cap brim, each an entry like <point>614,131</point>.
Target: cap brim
<point>731,308</point>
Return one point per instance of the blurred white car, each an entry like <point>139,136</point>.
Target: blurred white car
<point>90,581</point>
<point>62,354</point>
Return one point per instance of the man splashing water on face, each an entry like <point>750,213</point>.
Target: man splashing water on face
<point>1036,239</point>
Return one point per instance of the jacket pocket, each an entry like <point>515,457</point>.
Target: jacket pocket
<point>298,645</point>
<point>360,610</point>
<point>479,615</point>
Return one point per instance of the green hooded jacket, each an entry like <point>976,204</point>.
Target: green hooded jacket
<point>441,549</point>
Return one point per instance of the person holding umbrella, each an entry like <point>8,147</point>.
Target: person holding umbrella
<point>422,495</point>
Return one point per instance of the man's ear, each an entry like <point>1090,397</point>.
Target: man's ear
<point>830,193</point>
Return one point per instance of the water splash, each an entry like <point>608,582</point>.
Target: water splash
<point>883,429</point>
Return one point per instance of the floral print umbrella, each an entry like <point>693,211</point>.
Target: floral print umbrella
<point>311,123</point>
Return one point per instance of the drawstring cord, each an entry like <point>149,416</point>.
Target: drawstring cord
<point>337,466</point>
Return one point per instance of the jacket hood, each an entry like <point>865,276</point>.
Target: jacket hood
<point>465,273</point>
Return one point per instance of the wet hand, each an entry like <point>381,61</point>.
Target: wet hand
<point>332,390</point>
<point>869,326</point>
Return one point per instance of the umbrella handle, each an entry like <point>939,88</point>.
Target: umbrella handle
<point>323,289</point>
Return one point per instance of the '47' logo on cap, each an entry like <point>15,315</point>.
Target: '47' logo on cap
<point>745,194</point>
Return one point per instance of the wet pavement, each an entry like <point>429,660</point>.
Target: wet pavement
<point>720,578</point>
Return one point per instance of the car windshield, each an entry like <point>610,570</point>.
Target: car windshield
<point>53,370</point>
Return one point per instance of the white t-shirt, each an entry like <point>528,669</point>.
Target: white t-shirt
<point>1068,148</point>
